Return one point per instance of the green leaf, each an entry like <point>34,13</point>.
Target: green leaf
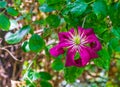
<point>36,43</point>
<point>11,11</point>
<point>13,24</point>
<point>47,53</point>
<point>41,1</point>
<point>116,31</point>
<point>57,64</point>
<point>46,8</point>
<point>106,36</point>
<point>115,44</point>
<point>104,59</point>
<point>72,73</point>
<point>53,20</point>
<point>114,11</point>
<point>3,4</point>
<point>51,2</point>
<point>45,76</point>
<point>78,8</point>
<point>45,83</point>
<point>25,46</point>
<point>4,22</point>
<point>47,32</point>
<point>100,7</point>
<point>13,38</point>
<point>36,76</point>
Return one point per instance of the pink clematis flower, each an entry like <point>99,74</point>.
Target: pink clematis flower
<point>84,42</point>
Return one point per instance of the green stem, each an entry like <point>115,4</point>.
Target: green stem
<point>91,2</point>
<point>84,21</point>
<point>29,66</point>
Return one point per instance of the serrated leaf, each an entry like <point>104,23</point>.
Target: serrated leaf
<point>53,20</point>
<point>100,7</point>
<point>13,38</point>
<point>36,43</point>
<point>46,8</point>
<point>45,76</point>
<point>4,22</point>
<point>72,73</point>
<point>11,11</point>
<point>104,59</point>
<point>45,84</point>
<point>3,4</point>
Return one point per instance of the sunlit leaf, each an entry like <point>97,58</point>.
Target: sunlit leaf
<point>25,46</point>
<point>13,38</point>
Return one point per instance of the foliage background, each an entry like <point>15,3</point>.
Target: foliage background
<point>29,28</point>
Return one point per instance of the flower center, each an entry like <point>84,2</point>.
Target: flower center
<point>76,39</point>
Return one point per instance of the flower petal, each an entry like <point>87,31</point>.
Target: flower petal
<point>70,57</point>
<point>63,36</point>
<point>94,42</point>
<point>84,56</point>
<point>80,30</point>
<point>89,32</point>
<point>56,50</point>
<point>93,53</point>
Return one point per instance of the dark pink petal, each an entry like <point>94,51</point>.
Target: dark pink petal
<point>85,56</point>
<point>89,32</point>
<point>72,30</point>
<point>94,42</point>
<point>70,61</point>
<point>63,36</point>
<point>80,30</point>
<point>70,57</point>
<point>93,53</point>
<point>58,49</point>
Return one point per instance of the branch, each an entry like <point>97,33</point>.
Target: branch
<point>11,54</point>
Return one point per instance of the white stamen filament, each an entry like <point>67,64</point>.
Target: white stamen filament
<point>76,41</point>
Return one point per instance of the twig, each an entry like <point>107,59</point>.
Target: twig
<point>11,54</point>
<point>14,71</point>
<point>95,76</point>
